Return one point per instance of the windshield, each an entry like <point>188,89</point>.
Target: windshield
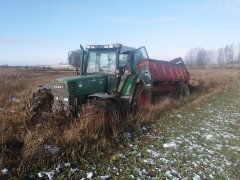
<point>101,61</point>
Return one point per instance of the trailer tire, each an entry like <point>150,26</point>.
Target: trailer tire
<point>184,90</point>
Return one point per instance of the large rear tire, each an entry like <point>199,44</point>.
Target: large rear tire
<point>141,97</point>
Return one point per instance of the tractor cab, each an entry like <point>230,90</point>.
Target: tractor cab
<point>109,59</point>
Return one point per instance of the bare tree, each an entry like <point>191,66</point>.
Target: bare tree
<point>202,58</point>
<point>226,51</point>
<point>238,56</point>
<point>190,58</point>
<point>211,57</point>
<point>231,55</point>
<point>221,58</point>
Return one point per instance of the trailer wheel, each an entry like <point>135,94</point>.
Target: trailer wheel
<point>184,90</point>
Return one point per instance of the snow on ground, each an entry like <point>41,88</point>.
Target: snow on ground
<point>170,145</point>
<point>207,151</point>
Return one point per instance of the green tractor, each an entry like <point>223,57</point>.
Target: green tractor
<point>123,77</point>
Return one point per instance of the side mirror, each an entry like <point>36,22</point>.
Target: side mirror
<point>76,59</point>
<point>82,59</point>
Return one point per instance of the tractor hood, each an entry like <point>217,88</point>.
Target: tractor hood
<point>83,77</point>
<point>85,84</point>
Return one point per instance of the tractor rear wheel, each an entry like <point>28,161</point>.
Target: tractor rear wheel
<point>141,97</point>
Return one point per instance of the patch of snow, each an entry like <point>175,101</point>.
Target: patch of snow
<point>132,176</point>
<point>67,164</point>
<point>175,178</point>
<point>174,172</point>
<point>179,116</point>
<point>58,167</point>
<point>218,147</point>
<point>49,174</point>
<point>41,174</point>
<point>134,147</point>
<point>144,171</point>
<point>153,153</point>
<point>138,170</point>
<point>89,175</point>
<point>149,161</point>
<point>209,137</point>
<point>164,160</point>
<point>5,171</point>
<point>127,135</point>
<point>168,174</point>
<point>141,172</point>
<point>74,170</point>
<point>105,177</point>
<point>196,177</point>
<point>14,99</point>
<point>170,145</point>
<point>52,149</point>
<point>121,155</point>
<point>211,176</point>
<point>194,164</point>
<point>235,148</point>
<point>139,155</point>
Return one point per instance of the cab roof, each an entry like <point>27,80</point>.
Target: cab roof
<point>123,49</point>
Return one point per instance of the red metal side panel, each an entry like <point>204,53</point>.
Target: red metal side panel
<point>164,71</point>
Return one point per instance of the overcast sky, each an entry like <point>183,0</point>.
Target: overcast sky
<point>42,32</point>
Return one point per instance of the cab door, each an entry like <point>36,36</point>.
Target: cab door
<point>141,66</point>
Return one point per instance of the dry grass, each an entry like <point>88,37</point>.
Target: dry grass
<point>77,137</point>
<point>17,87</point>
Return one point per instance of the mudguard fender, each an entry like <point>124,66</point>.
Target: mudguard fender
<point>105,96</point>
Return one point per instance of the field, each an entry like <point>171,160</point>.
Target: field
<point>194,137</point>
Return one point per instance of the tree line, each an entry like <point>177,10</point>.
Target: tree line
<point>227,56</point>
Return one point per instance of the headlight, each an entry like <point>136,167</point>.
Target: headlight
<point>65,99</point>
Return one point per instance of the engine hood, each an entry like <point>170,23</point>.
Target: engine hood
<point>85,84</point>
<point>80,78</point>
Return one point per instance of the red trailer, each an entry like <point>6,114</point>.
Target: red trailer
<point>161,77</point>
